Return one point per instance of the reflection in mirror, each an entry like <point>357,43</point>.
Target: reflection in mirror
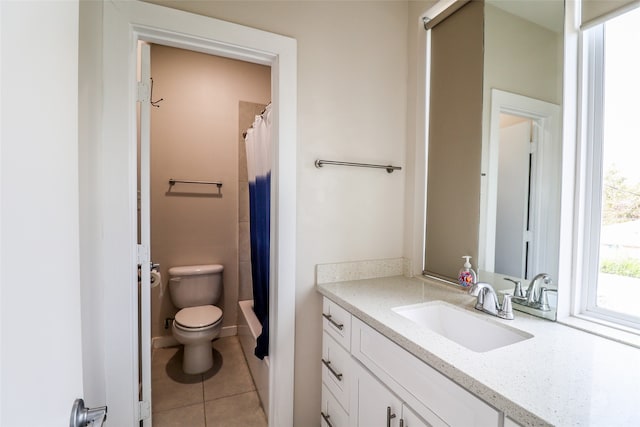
<point>522,56</point>
<point>521,196</point>
<point>521,159</point>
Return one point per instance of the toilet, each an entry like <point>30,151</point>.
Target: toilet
<point>194,290</point>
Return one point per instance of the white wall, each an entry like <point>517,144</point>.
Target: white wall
<point>352,105</point>
<point>40,313</point>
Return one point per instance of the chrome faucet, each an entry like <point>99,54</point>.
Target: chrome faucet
<point>533,292</point>
<point>517,289</point>
<point>488,301</point>
<point>535,296</point>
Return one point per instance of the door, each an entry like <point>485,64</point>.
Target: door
<point>144,230</point>
<point>512,213</point>
<point>375,405</point>
<point>48,325</point>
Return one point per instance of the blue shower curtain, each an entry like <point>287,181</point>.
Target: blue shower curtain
<point>258,145</point>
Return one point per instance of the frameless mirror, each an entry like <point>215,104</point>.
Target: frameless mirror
<point>520,159</point>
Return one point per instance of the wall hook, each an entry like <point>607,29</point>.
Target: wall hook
<point>152,102</point>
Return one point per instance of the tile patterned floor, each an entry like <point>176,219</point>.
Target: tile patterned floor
<point>224,396</point>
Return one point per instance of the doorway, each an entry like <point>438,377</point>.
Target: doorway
<point>199,214</point>
<point>520,200</point>
<point>124,24</point>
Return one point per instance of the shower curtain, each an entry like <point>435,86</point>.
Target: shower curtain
<point>258,145</point>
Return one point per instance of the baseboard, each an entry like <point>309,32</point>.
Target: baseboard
<point>229,331</point>
<point>170,341</point>
<point>163,341</point>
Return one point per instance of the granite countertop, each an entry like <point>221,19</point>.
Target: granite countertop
<point>561,376</point>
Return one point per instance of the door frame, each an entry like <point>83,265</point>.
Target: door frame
<point>125,23</point>
<point>546,117</point>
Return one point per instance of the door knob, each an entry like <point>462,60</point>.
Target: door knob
<point>82,417</point>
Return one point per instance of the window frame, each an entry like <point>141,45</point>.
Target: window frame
<point>590,184</point>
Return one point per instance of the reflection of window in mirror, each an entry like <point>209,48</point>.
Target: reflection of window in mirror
<point>611,185</point>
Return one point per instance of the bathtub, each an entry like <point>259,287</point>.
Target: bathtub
<point>248,330</point>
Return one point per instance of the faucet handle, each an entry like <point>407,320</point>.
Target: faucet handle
<point>543,301</point>
<point>506,312</point>
<point>517,290</point>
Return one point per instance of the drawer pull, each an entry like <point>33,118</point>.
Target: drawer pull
<point>390,416</point>
<point>326,419</point>
<point>402,423</point>
<point>327,363</point>
<point>333,322</point>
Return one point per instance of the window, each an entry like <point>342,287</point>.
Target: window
<point>611,183</point>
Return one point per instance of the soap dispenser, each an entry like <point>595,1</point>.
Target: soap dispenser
<point>466,275</point>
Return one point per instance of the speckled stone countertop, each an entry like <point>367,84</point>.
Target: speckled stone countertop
<point>561,376</point>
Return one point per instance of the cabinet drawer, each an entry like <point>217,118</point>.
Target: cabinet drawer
<point>337,322</point>
<point>427,391</point>
<point>336,369</point>
<point>332,414</point>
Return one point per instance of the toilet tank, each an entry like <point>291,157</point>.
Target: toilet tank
<point>195,285</point>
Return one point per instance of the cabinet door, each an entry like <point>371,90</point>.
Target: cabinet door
<point>411,419</point>
<point>373,405</point>
<point>332,414</point>
<point>336,372</point>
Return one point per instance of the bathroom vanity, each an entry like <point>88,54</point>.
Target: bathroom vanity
<point>383,364</point>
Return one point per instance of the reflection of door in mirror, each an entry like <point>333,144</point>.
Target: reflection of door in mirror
<point>520,197</point>
<point>515,158</point>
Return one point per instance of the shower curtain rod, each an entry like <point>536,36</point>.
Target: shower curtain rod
<point>319,163</point>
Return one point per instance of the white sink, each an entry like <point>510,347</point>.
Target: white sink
<point>477,332</point>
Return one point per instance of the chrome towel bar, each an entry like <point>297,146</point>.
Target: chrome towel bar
<point>319,163</point>
<point>173,181</point>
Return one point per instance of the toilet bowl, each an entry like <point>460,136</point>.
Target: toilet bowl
<point>195,327</point>
<point>194,289</point>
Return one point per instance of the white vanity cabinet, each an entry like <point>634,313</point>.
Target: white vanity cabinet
<point>374,382</point>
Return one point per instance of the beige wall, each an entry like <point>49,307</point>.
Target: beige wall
<point>352,105</point>
<point>521,57</point>
<point>194,136</point>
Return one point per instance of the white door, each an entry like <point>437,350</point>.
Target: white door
<point>513,199</point>
<point>144,304</point>
<point>375,405</point>
<point>43,318</point>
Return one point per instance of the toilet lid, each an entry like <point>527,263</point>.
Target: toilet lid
<point>198,317</point>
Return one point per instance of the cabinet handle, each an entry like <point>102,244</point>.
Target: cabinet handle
<point>401,422</point>
<point>326,419</point>
<point>327,363</point>
<point>390,416</point>
<point>333,322</point>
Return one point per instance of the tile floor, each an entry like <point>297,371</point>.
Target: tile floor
<point>224,396</point>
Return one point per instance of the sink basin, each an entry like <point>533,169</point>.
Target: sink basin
<point>479,333</point>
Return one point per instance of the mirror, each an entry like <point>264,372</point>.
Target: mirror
<point>520,160</point>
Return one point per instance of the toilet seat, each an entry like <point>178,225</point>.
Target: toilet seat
<point>194,318</point>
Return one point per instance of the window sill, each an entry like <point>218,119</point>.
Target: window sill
<point>603,329</point>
